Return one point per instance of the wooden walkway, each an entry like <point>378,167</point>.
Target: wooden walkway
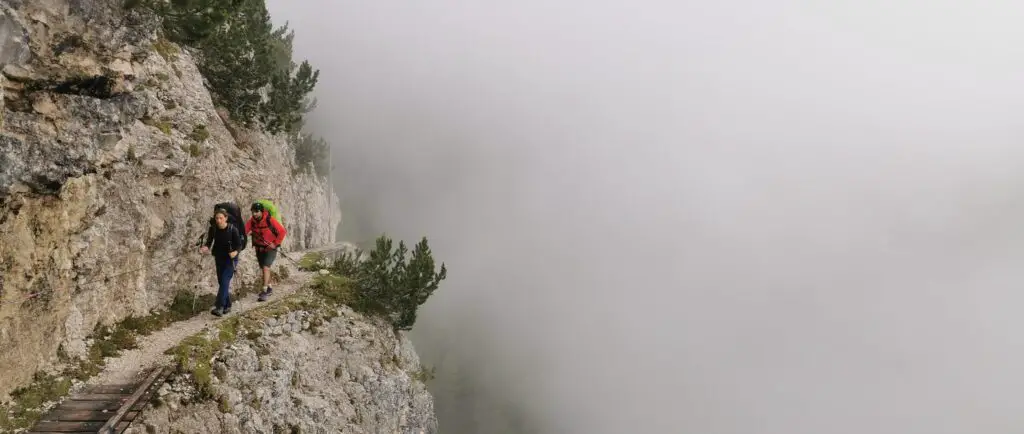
<point>103,409</point>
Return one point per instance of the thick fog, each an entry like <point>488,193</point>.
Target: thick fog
<point>734,217</point>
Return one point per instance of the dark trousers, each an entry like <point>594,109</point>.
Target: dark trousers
<point>225,271</point>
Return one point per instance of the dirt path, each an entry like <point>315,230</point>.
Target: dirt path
<point>130,364</point>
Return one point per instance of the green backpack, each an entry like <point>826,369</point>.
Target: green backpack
<point>271,208</point>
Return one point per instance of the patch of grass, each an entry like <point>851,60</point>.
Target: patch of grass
<point>162,76</point>
<point>163,125</point>
<point>283,272</point>
<point>194,354</point>
<point>424,375</point>
<point>334,290</point>
<point>225,406</point>
<point>311,262</point>
<point>199,133</point>
<point>24,410</point>
<point>167,50</point>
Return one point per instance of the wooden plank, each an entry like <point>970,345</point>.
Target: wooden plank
<point>131,415</point>
<point>58,432</point>
<point>115,421</point>
<point>77,415</point>
<point>123,389</point>
<point>89,405</point>
<point>122,427</point>
<point>112,397</point>
<point>66,427</point>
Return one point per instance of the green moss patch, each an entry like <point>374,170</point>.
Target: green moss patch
<point>311,262</point>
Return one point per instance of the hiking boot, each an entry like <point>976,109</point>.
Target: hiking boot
<point>265,294</point>
<point>217,311</point>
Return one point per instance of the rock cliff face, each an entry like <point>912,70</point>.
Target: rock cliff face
<point>112,156</point>
<point>298,373</point>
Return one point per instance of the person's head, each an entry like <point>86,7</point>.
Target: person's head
<point>257,210</point>
<point>221,218</point>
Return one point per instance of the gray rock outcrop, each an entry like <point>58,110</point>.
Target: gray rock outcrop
<point>350,374</point>
<point>112,156</point>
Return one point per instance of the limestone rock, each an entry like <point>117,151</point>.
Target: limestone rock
<point>104,188</point>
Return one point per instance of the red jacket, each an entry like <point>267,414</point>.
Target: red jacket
<point>263,232</point>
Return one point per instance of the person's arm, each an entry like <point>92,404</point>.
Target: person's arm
<point>248,226</point>
<point>236,241</point>
<point>208,242</point>
<point>281,231</point>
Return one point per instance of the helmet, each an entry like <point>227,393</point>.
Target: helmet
<point>256,207</point>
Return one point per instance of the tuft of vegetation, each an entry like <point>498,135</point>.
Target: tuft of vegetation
<point>246,61</point>
<point>199,133</point>
<point>225,405</point>
<point>164,125</point>
<point>25,409</point>
<point>311,262</point>
<point>391,282</point>
<point>335,290</point>
<point>424,375</point>
<point>167,50</point>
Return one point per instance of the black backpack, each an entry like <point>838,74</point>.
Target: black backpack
<point>234,219</point>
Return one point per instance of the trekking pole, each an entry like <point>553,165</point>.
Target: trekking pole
<point>202,270</point>
<point>195,294</point>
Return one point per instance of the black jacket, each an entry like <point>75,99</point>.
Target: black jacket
<point>224,240</point>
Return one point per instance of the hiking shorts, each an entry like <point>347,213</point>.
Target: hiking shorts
<point>266,259</point>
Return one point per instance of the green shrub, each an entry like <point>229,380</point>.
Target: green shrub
<point>391,282</point>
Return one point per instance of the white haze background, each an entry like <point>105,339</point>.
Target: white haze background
<point>733,217</point>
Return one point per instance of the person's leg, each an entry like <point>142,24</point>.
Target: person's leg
<point>266,260</point>
<point>223,302</point>
<point>219,264</point>
<point>229,273</point>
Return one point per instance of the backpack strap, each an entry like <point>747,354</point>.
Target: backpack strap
<point>270,224</point>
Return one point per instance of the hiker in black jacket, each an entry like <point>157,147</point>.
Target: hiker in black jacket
<point>224,244</point>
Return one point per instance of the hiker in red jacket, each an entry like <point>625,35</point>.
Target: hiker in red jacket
<point>267,236</point>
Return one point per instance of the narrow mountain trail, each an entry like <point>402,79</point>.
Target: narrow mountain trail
<point>130,365</point>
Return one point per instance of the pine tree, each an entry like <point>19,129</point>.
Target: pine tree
<point>418,283</point>
<point>236,60</point>
<point>288,101</point>
<point>391,284</point>
<point>309,149</point>
<point>247,63</point>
